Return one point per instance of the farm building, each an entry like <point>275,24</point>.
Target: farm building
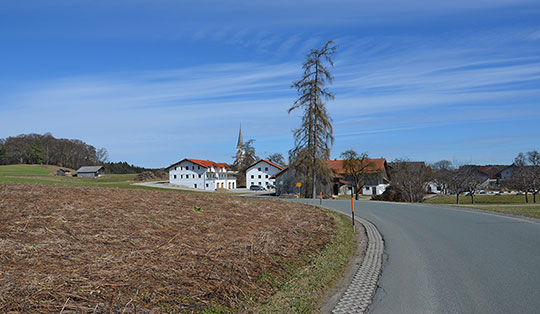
<point>90,171</point>
<point>377,179</point>
<point>201,174</point>
<point>261,172</point>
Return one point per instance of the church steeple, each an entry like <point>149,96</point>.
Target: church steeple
<point>240,139</point>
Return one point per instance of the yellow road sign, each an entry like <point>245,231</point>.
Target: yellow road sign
<point>298,184</point>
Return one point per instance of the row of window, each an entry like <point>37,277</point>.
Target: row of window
<point>194,176</point>
<point>253,176</point>
<point>187,168</point>
<point>265,169</point>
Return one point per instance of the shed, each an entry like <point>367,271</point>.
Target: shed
<point>90,171</point>
<point>63,172</point>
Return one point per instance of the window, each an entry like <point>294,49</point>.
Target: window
<point>181,176</point>
<point>260,183</point>
<point>198,167</point>
<point>195,185</point>
<point>259,176</point>
<point>175,176</point>
<point>265,168</point>
<point>259,169</point>
<point>252,176</point>
<point>192,167</point>
<point>206,184</point>
<point>267,176</point>
<point>200,176</point>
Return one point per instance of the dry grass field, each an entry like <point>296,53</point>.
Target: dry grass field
<point>101,250</point>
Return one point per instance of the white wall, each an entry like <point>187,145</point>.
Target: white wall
<point>379,189</point>
<point>194,176</point>
<point>262,169</point>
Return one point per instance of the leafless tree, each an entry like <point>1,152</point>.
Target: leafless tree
<point>356,167</point>
<point>471,179</point>
<point>314,137</point>
<point>276,158</point>
<point>411,179</point>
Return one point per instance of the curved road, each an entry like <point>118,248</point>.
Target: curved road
<point>444,260</point>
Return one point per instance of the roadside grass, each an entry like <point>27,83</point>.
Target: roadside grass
<point>301,289</point>
<point>348,197</point>
<point>529,210</point>
<point>479,199</point>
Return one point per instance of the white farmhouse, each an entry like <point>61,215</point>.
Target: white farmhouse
<point>260,173</point>
<point>201,174</point>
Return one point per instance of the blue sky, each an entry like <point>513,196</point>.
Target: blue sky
<point>157,81</point>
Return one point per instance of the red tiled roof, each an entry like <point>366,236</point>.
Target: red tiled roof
<point>202,163</point>
<point>268,162</point>
<point>375,165</point>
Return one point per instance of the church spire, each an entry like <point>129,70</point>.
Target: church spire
<point>240,139</point>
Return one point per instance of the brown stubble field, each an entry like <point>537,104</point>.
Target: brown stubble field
<point>96,250</point>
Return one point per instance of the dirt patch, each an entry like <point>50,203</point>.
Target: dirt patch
<point>91,249</point>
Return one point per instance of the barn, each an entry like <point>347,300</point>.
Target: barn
<point>90,171</point>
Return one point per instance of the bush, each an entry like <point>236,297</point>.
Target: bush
<point>391,194</point>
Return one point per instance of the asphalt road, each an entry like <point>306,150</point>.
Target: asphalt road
<point>443,260</point>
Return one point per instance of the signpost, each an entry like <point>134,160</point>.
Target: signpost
<point>352,206</point>
<point>299,185</point>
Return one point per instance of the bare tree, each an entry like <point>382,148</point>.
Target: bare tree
<point>102,155</point>
<point>314,137</point>
<point>276,158</point>
<point>411,179</point>
<point>526,173</point>
<point>356,167</point>
<point>471,179</point>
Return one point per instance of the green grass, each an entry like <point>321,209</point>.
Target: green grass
<point>479,199</point>
<point>302,288</point>
<point>348,197</point>
<point>45,175</point>
<point>529,210</point>
<point>28,170</point>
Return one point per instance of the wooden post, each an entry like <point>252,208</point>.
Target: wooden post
<point>352,206</point>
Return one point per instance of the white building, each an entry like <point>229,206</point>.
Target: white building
<point>201,174</point>
<point>260,173</point>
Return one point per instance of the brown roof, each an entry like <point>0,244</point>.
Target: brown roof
<point>375,165</point>
<point>202,163</point>
<point>492,171</point>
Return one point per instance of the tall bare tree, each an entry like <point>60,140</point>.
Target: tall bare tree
<point>356,167</point>
<point>314,137</point>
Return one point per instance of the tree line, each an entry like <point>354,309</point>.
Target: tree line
<point>45,149</point>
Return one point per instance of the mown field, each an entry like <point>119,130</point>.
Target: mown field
<point>45,175</point>
<point>509,204</point>
<point>99,250</point>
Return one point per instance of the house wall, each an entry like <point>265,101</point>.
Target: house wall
<point>195,176</point>
<point>87,174</point>
<point>507,173</point>
<point>262,169</point>
<point>379,189</point>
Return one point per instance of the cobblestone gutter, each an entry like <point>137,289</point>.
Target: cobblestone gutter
<point>358,296</point>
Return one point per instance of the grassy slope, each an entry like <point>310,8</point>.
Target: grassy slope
<point>509,204</point>
<point>45,175</point>
<point>301,290</point>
